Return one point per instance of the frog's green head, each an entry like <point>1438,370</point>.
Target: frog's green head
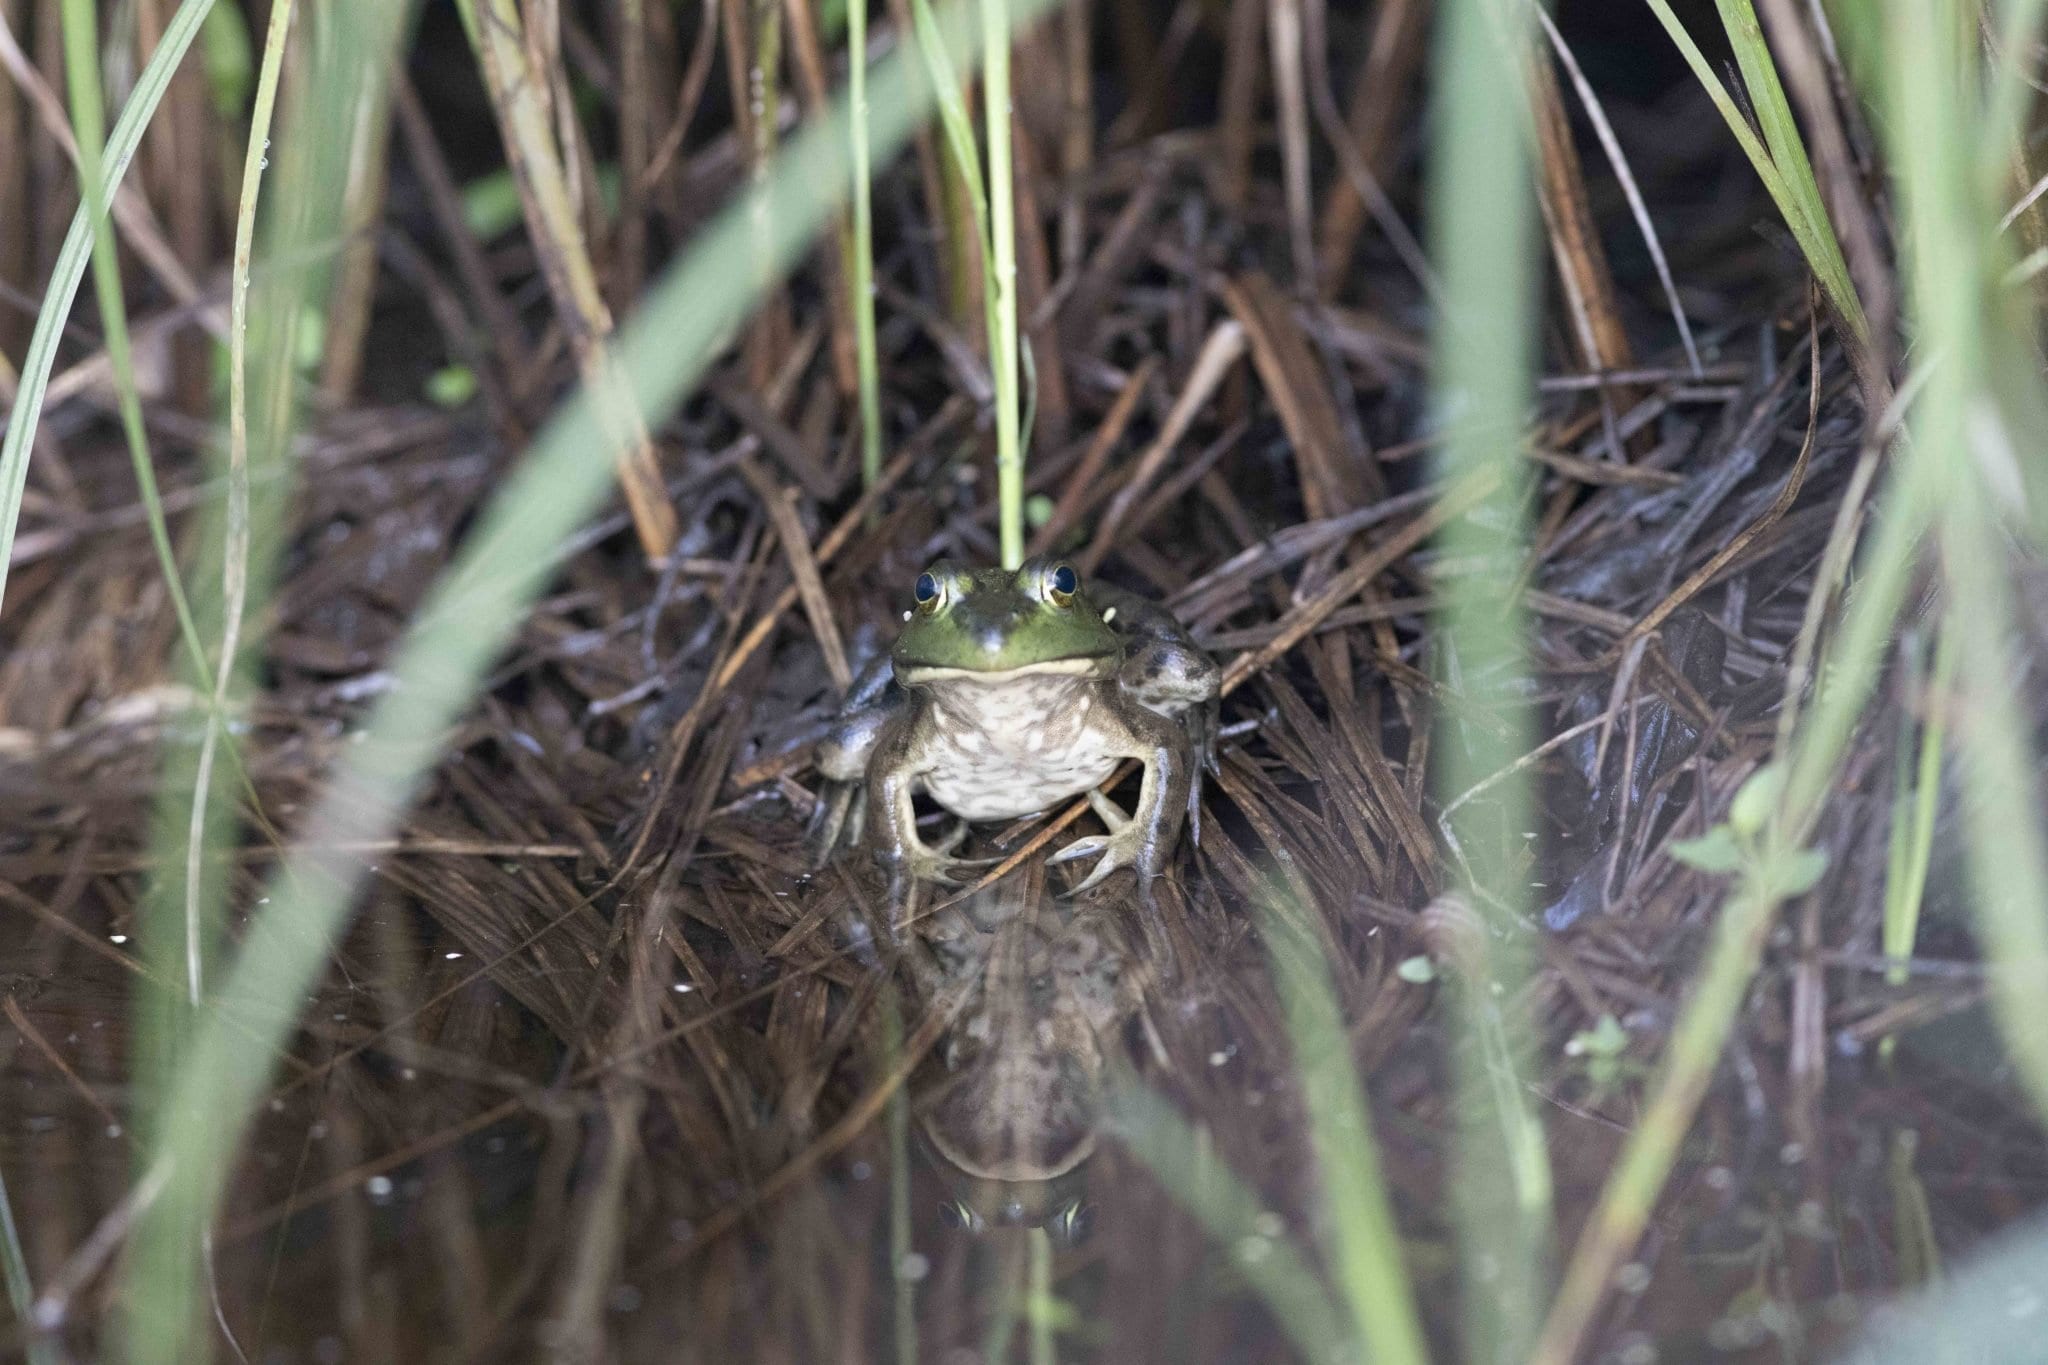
<point>986,624</point>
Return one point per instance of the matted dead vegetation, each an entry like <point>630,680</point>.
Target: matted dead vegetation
<point>601,1070</point>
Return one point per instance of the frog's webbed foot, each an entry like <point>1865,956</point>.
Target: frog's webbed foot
<point>1126,845</point>
<point>838,817</point>
<point>923,863</point>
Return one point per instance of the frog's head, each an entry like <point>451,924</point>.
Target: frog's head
<point>989,624</point>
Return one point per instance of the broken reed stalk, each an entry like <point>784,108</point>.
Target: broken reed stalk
<point>517,94</point>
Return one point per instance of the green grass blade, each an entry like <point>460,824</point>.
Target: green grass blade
<point>1041,1310</point>
<point>1968,450</point>
<point>2012,79</point>
<point>1365,1243</point>
<point>1796,195</point>
<point>1787,145</point>
<point>1187,1167</point>
<point>70,270</point>
<point>235,552</point>
<point>996,229</point>
<point>20,1290</point>
<point>1915,1245</point>
<point>863,264</point>
<point>468,618</point>
<point>88,123</point>
<point>1481,201</point>
<point>1914,803</point>
<point>900,1246</point>
<point>954,119</point>
<point>1002,326</point>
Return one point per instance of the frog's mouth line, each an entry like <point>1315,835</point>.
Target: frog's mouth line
<point>1086,666</point>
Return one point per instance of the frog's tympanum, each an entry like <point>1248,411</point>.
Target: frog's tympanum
<point>1009,691</point>
<point>1015,1120</point>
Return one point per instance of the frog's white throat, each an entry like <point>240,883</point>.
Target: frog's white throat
<point>1009,746</point>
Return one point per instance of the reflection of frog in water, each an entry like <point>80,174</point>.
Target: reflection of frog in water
<point>1015,1118</point>
<point>1010,691</point>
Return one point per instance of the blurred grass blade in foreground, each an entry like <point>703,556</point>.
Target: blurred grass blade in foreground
<point>1185,1163</point>
<point>467,619</point>
<point>1481,201</point>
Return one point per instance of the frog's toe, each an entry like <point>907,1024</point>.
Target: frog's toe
<point>837,812</point>
<point>1125,848</point>
<point>1080,848</point>
<point>1109,864</point>
<point>1110,812</point>
<point>932,865</point>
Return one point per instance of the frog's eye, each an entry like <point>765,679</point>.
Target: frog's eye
<point>1061,583</point>
<point>1072,1224</point>
<point>957,1215</point>
<point>927,592</point>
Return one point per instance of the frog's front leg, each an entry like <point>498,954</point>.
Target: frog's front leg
<point>1146,842</point>
<point>1165,673</point>
<point>893,773</point>
<point>841,758</point>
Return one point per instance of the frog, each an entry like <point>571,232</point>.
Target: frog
<point>1007,692</point>
<point>1015,1117</point>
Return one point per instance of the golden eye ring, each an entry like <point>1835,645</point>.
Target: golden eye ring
<point>929,592</point>
<point>1061,583</point>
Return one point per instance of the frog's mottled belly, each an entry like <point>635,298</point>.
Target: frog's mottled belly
<point>1013,748</point>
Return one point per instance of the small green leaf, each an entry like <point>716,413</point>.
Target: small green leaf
<point>1714,851</point>
<point>490,205</point>
<point>1417,970</point>
<point>1797,872</point>
<point>1605,1039</point>
<point>451,386</point>
<point>1753,805</point>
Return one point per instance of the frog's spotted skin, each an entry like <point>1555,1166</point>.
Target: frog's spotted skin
<point>1009,692</point>
<point>1000,748</point>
